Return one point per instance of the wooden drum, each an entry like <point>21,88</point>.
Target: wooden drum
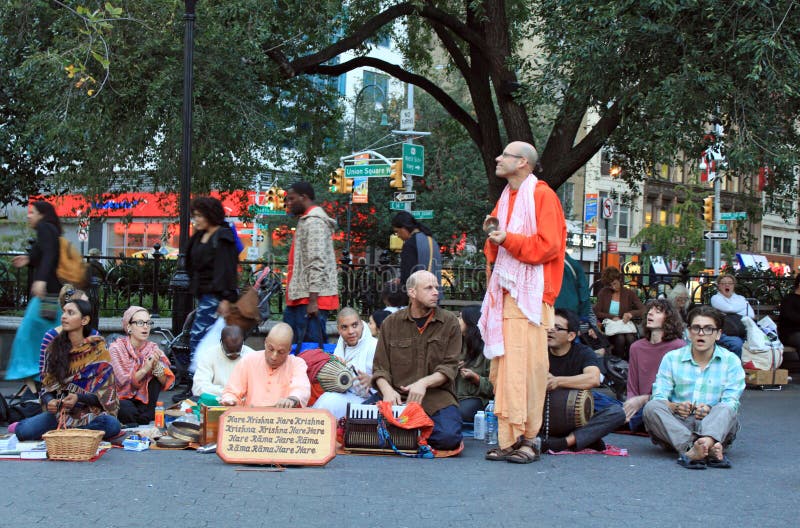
<point>334,376</point>
<point>565,410</point>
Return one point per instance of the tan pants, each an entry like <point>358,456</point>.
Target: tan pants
<point>520,375</point>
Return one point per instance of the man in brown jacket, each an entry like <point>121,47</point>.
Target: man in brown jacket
<point>417,357</point>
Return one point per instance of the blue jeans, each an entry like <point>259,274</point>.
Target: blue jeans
<point>468,407</point>
<point>204,317</point>
<point>306,330</point>
<point>446,428</point>
<point>602,402</point>
<point>34,427</point>
<point>732,343</point>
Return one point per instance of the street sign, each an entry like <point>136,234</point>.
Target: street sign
<point>367,171</point>
<point>407,119</point>
<point>737,215</point>
<point>264,210</point>
<point>608,208</point>
<point>397,206</point>
<point>413,159</point>
<point>715,235</point>
<point>410,196</point>
<point>421,215</point>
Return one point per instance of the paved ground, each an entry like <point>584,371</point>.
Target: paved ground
<point>647,488</point>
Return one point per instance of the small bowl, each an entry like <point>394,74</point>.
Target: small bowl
<point>491,224</point>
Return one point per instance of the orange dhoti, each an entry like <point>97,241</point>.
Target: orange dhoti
<point>520,375</point>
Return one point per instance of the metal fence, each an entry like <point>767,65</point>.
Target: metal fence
<point>119,282</point>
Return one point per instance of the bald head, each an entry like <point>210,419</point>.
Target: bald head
<point>278,345</point>
<point>346,312</point>
<point>281,333</point>
<point>517,160</point>
<point>527,151</point>
<point>423,292</point>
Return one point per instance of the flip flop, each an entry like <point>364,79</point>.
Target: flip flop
<point>723,463</point>
<point>688,463</point>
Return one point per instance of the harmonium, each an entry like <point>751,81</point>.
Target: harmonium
<point>361,431</point>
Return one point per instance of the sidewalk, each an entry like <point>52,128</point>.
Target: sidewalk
<point>646,488</point>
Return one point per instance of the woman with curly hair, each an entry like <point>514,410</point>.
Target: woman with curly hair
<point>473,388</point>
<point>78,384</point>
<point>141,369</point>
<point>617,303</point>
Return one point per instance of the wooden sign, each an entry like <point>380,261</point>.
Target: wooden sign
<point>298,437</point>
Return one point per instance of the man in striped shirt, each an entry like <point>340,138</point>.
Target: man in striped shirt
<point>696,395</point>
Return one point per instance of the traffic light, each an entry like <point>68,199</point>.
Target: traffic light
<point>397,175</point>
<point>337,181</point>
<point>347,185</point>
<point>271,199</point>
<point>280,194</point>
<point>708,210</point>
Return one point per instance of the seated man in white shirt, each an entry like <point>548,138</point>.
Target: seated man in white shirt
<point>215,365</point>
<point>356,349</point>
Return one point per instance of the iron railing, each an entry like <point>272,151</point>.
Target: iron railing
<point>119,282</point>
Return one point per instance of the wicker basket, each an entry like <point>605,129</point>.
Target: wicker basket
<point>72,444</point>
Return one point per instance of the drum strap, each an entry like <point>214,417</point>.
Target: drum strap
<point>547,416</point>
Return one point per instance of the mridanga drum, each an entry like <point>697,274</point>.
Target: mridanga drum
<point>565,410</point>
<point>334,376</point>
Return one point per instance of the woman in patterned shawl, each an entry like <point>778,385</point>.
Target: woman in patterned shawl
<point>78,381</point>
<point>141,370</point>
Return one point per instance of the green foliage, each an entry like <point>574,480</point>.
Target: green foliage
<point>681,241</point>
<point>57,136</point>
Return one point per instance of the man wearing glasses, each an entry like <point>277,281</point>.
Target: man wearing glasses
<point>696,396</point>
<point>527,240</point>
<point>576,366</point>
<point>215,365</point>
<point>271,377</point>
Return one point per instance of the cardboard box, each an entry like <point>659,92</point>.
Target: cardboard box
<point>766,377</point>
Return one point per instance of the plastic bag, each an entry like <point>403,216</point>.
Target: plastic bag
<point>209,341</point>
<point>759,350</point>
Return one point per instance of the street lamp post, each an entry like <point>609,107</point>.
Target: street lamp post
<point>182,301</point>
<point>384,121</point>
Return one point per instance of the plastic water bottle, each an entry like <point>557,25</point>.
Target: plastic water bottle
<point>159,419</point>
<point>491,424</point>
<point>479,425</point>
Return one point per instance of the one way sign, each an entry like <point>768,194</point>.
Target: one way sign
<point>715,235</point>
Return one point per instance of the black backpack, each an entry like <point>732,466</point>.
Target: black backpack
<point>19,411</point>
<point>615,375</point>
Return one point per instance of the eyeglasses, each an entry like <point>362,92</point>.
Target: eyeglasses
<point>703,330</point>
<point>560,329</point>
<point>140,324</point>
<point>508,155</point>
<point>727,283</point>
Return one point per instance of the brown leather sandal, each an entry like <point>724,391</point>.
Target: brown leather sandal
<point>518,456</point>
<point>496,454</point>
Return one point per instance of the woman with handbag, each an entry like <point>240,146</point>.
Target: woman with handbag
<point>141,369</point>
<point>43,309</point>
<point>616,306</point>
<point>78,385</point>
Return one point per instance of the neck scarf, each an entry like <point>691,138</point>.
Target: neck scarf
<point>524,282</point>
<point>89,372</point>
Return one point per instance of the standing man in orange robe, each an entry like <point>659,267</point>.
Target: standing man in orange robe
<point>526,243</point>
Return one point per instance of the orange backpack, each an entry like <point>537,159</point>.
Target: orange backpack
<point>71,267</point>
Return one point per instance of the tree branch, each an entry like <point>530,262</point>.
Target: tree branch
<point>369,28</point>
<point>447,102</point>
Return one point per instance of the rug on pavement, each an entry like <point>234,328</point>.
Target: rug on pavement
<point>609,450</point>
